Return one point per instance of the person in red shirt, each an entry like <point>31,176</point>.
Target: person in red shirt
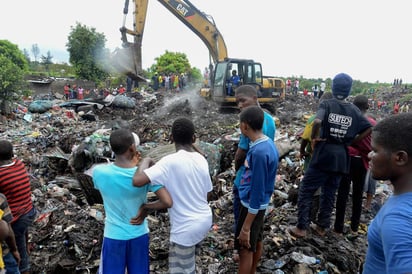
<point>396,107</point>
<point>15,185</point>
<point>121,90</point>
<point>66,89</point>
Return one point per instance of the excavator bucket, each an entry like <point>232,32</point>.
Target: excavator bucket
<point>127,61</point>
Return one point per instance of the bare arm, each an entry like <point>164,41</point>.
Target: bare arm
<point>244,235</point>
<point>316,132</point>
<point>11,243</point>
<point>302,149</point>
<point>140,178</point>
<point>164,201</point>
<point>240,157</point>
<point>362,135</point>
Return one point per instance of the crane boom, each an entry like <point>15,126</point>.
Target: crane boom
<point>201,24</point>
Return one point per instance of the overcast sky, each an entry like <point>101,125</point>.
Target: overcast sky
<point>368,39</point>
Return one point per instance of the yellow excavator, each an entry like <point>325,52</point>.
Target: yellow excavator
<point>221,67</point>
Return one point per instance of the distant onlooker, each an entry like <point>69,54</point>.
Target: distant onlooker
<point>315,90</point>
<point>396,107</point>
<point>121,90</point>
<point>322,89</point>
<point>296,87</point>
<point>80,92</point>
<point>66,90</point>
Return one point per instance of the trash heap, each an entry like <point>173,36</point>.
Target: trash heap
<point>67,234</point>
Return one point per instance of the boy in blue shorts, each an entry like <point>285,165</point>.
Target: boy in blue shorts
<point>126,237</point>
<point>255,189</point>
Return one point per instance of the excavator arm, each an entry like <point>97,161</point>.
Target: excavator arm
<point>128,60</point>
<point>201,24</point>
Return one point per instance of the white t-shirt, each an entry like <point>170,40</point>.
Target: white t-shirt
<point>322,86</point>
<point>186,176</point>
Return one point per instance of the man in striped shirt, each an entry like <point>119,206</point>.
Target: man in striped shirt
<point>15,185</point>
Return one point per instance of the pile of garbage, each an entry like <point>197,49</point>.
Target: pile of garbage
<point>58,149</point>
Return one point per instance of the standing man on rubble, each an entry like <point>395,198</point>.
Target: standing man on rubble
<point>246,96</point>
<point>337,124</point>
<point>15,185</point>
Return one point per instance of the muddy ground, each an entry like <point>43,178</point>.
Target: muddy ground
<point>67,236</point>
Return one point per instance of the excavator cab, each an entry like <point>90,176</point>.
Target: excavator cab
<point>244,70</point>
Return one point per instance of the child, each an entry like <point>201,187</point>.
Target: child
<point>389,234</point>
<point>126,238</point>
<point>185,174</point>
<point>256,188</point>
<point>246,96</point>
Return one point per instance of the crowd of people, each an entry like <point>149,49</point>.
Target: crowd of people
<point>342,145</point>
<point>169,81</point>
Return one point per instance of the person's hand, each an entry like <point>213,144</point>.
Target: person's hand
<point>244,238</point>
<point>139,218</point>
<point>302,155</point>
<point>16,256</point>
<point>137,158</point>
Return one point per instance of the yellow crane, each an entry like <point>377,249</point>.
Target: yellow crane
<point>221,66</point>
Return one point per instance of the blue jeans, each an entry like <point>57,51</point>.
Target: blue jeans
<point>313,179</point>
<point>10,264</point>
<point>20,228</point>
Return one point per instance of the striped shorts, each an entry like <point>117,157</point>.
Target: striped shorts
<point>182,259</point>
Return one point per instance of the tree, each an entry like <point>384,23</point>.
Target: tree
<point>175,62</point>
<point>171,62</point>
<point>87,51</point>
<point>47,60</point>
<point>13,65</point>
<point>35,51</point>
<point>27,55</point>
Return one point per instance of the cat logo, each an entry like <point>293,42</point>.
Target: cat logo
<point>183,10</point>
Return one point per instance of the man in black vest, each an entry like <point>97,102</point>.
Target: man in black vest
<point>337,125</point>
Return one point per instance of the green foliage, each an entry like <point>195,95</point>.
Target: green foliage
<point>171,62</point>
<point>47,60</point>
<point>174,62</point>
<point>27,55</point>
<point>35,51</point>
<point>195,74</point>
<point>13,66</point>
<point>86,48</point>
<point>358,87</point>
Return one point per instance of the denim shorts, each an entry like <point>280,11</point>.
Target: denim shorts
<point>20,227</point>
<point>10,264</point>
